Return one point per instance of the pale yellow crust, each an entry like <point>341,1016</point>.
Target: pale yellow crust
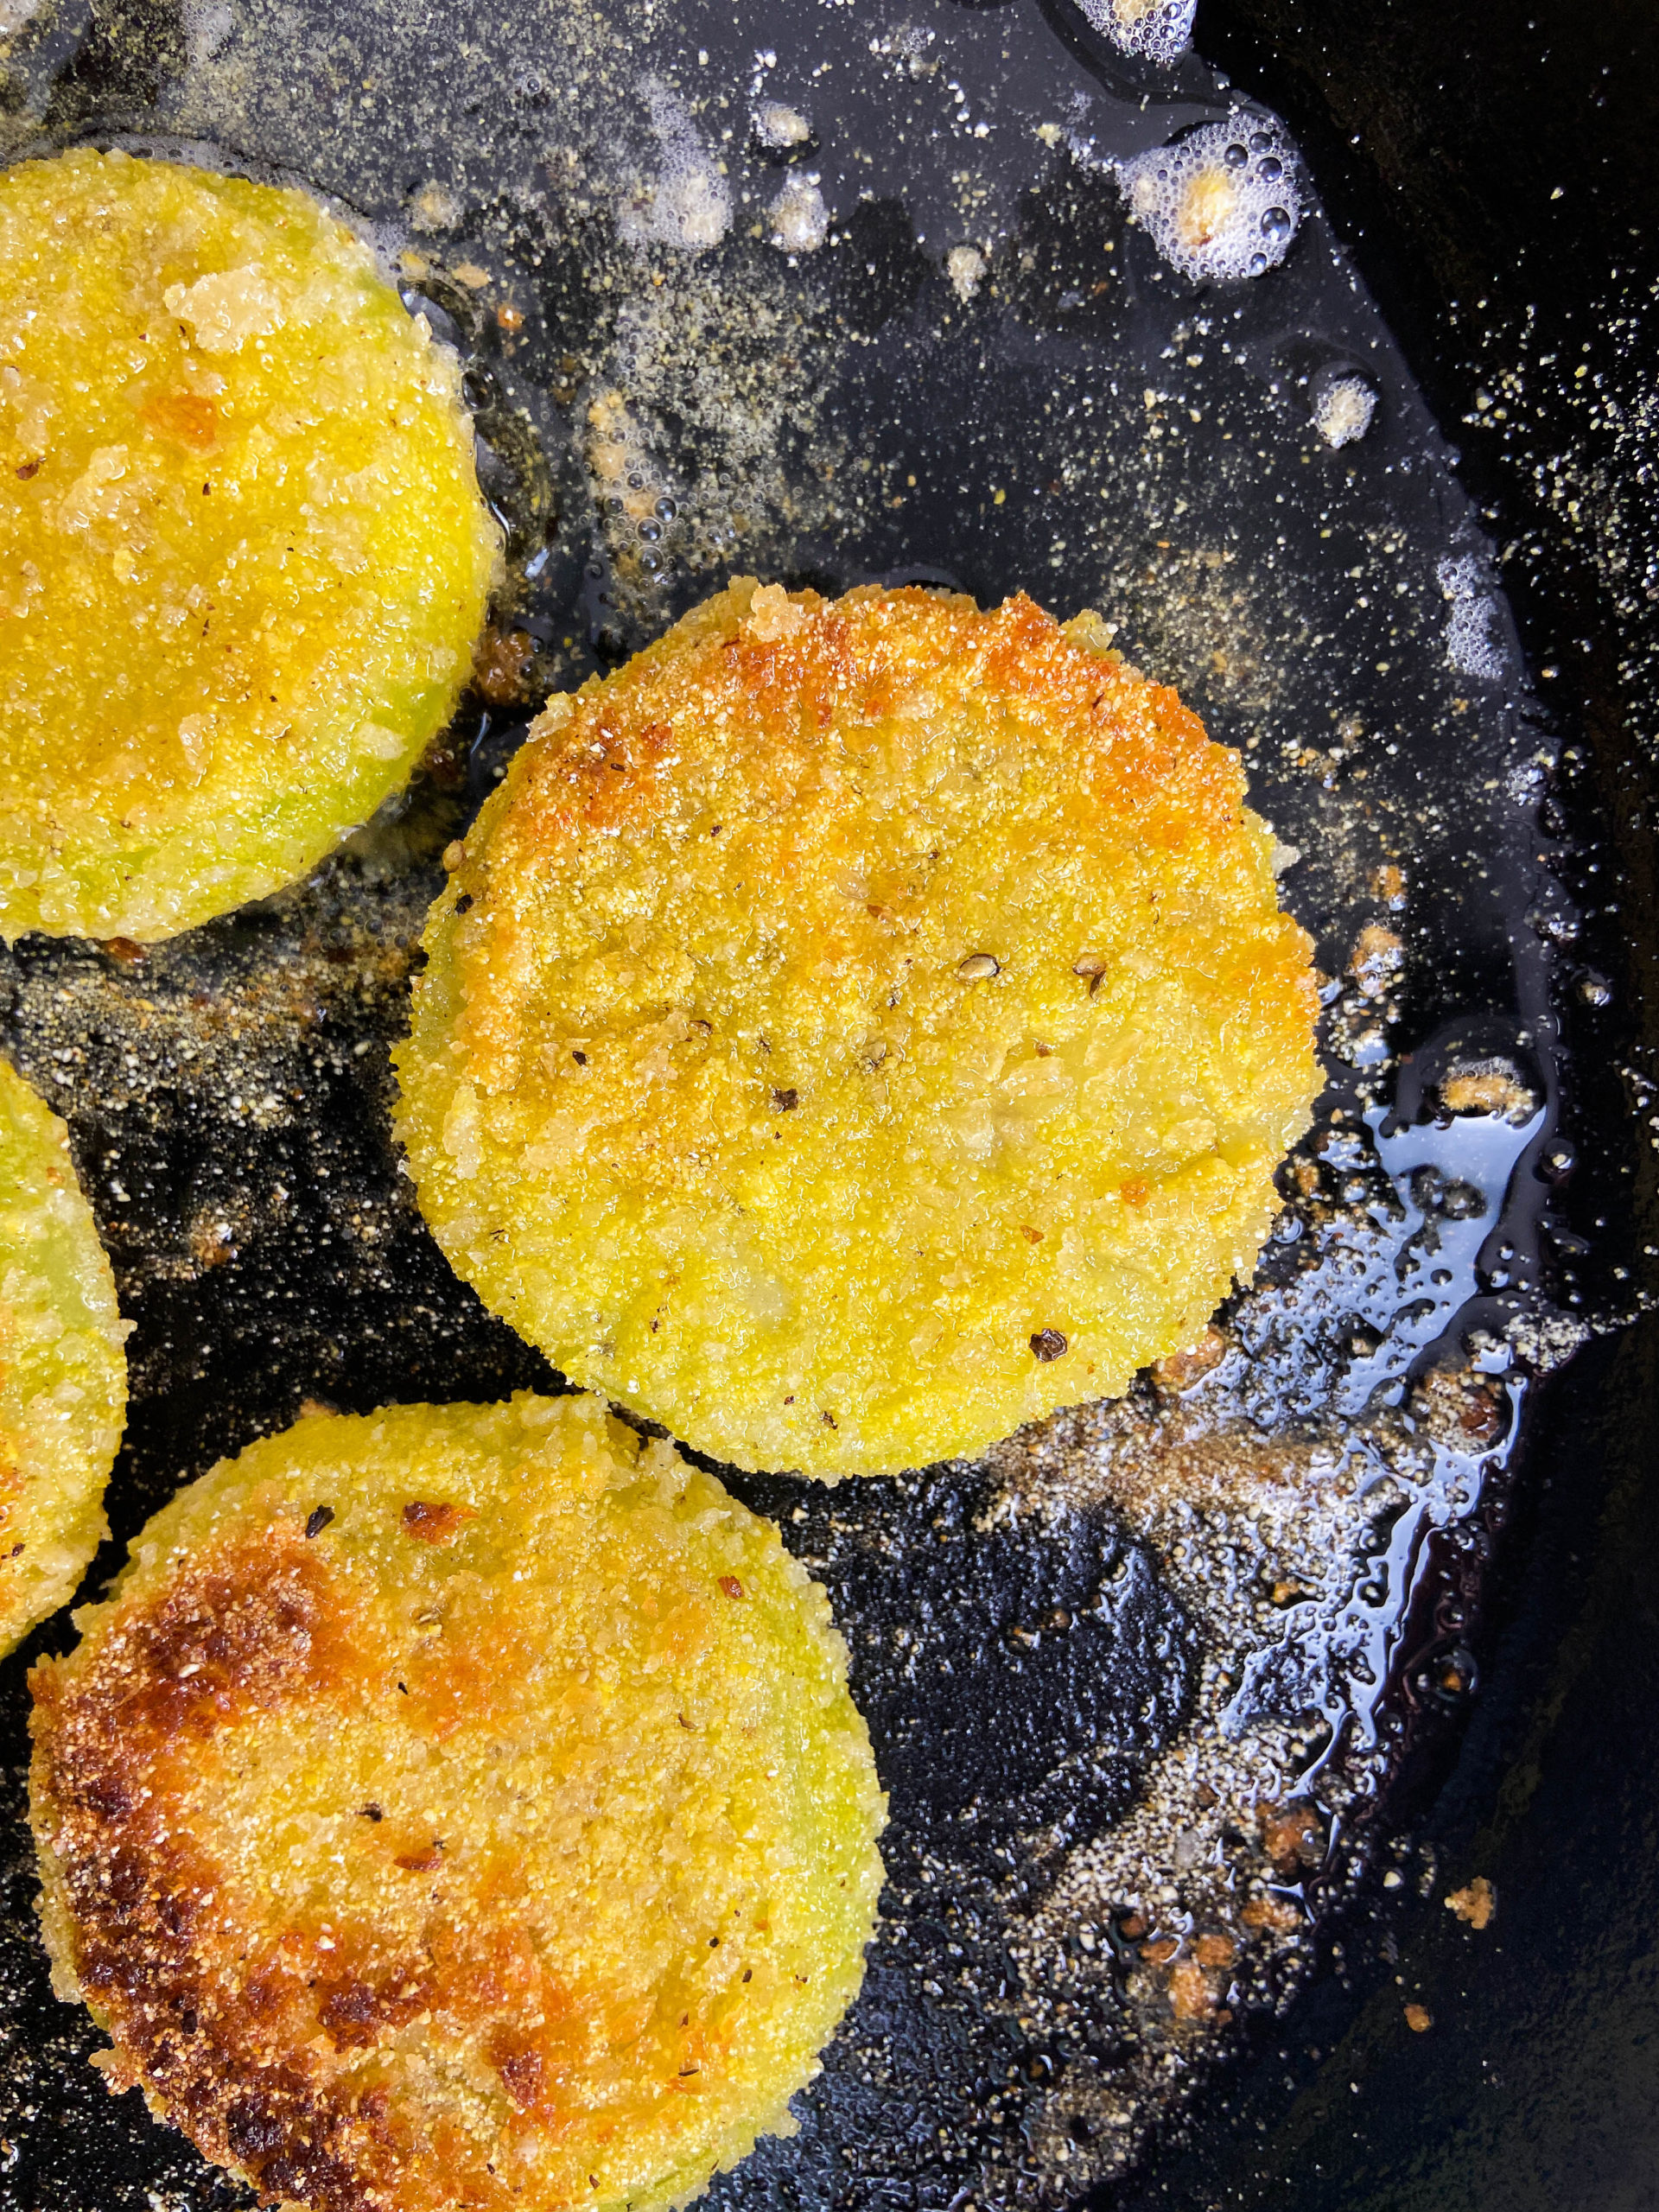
<point>63,1367</point>
<point>856,1029</point>
<point>460,1806</point>
<point>243,556</point>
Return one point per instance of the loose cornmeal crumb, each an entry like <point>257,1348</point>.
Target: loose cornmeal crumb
<point>243,557</point>
<point>461,1805</point>
<point>856,1029</point>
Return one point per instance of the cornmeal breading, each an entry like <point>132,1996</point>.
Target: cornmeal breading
<point>460,1806</point>
<point>63,1368</point>
<point>856,1029</point>
<point>243,556</point>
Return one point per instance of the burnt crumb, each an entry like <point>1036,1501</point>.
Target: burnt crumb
<point>318,1519</point>
<point>1293,1836</point>
<point>1182,1369</point>
<point>1475,1904</point>
<point>371,1813</point>
<point>1049,1344</point>
<point>500,665</point>
<point>435,1524</point>
<point>786,1101</point>
<point>422,1862</point>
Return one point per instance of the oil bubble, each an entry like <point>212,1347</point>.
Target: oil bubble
<point>688,206</point>
<point>1158,30</point>
<point>1215,216</point>
<point>1471,647</point>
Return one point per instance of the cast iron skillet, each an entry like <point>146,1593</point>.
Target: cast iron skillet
<point>1530,2081</point>
<point>1491,166</point>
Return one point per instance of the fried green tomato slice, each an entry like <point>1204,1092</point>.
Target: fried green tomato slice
<point>856,1029</point>
<point>243,556</point>
<point>63,1366</point>
<point>460,1806</point>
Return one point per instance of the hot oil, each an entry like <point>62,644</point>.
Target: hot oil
<point>922,292</point>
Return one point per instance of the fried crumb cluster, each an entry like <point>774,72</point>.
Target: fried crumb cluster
<point>857,1029</point>
<point>459,1805</point>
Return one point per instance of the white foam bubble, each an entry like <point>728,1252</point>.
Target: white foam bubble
<point>1158,30</point>
<point>800,221</point>
<point>1343,410</point>
<point>1222,203</point>
<point>688,206</point>
<point>780,127</point>
<point>208,25</point>
<point>1471,647</point>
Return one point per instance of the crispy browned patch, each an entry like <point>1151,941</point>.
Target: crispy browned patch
<point>227,2041</point>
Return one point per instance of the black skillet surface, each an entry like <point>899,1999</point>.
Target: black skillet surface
<point>1084,424</point>
<point>1491,167</point>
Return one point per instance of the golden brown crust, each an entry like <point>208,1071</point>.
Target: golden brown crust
<point>248,1633</point>
<point>331,1943</point>
<point>243,556</point>
<point>856,1028</point>
<point>63,1375</point>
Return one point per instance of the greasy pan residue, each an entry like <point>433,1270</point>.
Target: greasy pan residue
<point>892,293</point>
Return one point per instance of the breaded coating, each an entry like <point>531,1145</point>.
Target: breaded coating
<point>63,1366</point>
<point>856,1029</point>
<point>460,1806</point>
<point>243,556</point>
